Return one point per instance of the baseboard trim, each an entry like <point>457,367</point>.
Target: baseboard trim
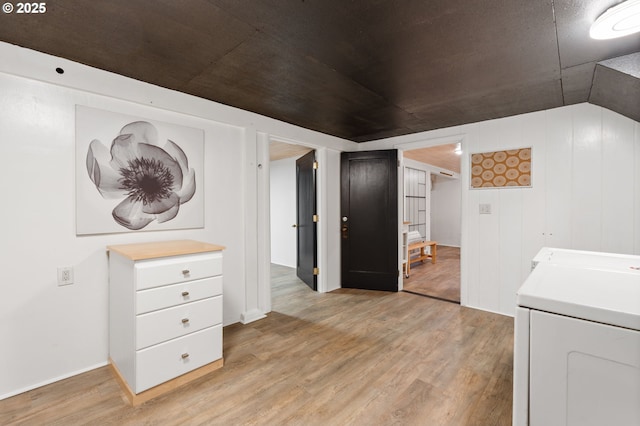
<point>251,316</point>
<point>49,381</point>
<point>161,389</point>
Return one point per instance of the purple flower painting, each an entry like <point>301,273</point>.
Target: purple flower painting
<point>153,180</point>
<point>143,176</point>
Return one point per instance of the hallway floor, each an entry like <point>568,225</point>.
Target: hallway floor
<point>440,280</point>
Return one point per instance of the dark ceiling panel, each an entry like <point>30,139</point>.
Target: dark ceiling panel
<point>308,93</point>
<point>576,83</point>
<point>332,32</point>
<point>616,85</point>
<point>358,69</point>
<point>164,44</point>
<point>497,103</point>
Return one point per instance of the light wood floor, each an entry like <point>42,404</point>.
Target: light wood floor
<point>441,279</point>
<point>349,357</point>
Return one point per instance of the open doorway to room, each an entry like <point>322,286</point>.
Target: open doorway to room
<point>432,209</point>
<point>288,265</point>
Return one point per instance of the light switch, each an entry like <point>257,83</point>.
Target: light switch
<point>485,208</point>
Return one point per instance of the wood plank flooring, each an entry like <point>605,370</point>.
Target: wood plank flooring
<point>441,279</point>
<point>349,357</point>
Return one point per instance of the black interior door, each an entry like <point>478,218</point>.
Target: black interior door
<point>306,231</point>
<point>369,222</point>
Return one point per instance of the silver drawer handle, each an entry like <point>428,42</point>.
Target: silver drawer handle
<point>185,356</point>
<point>185,293</point>
<point>185,272</point>
<point>185,320</point>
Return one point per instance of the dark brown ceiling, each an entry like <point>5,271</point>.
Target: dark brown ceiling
<point>359,69</point>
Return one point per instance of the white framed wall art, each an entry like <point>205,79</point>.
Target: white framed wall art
<point>136,174</point>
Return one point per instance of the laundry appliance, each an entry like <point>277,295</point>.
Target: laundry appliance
<point>577,340</point>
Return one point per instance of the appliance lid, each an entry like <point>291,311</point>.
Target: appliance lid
<point>600,294</point>
<point>589,259</point>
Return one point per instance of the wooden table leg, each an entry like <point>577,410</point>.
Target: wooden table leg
<point>433,253</point>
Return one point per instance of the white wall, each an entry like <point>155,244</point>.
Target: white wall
<point>50,332</point>
<point>444,204</point>
<point>445,211</point>
<point>585,194</point>
<point>63,329</point>
<point>283,212</point>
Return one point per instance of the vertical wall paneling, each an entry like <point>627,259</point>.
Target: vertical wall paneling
<point>579,153</point>
<point>618,175</point>
<point>264,221</point>
<point>488,243</point>
<point>586,179</point>
<point>252,311</point>
<point>510,244</point>
<point>488,246</point>
<point>558,174</point>
<point>469,249</point>
<point>533,134</point>
<point>37,125</point>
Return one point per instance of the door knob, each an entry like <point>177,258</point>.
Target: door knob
<point>344,218</point>
<point>294,226</point>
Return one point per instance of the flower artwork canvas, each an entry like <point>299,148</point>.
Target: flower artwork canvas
<point>136,174</point>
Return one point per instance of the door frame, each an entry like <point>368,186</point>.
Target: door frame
<point>426,143</point>
<point>264,216</point>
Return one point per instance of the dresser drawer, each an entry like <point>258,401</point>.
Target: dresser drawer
<point>168,360</point>
<point>177,294</point>
<point>177,269</point>
<point>160,326</point>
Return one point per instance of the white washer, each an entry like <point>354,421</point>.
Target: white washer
<point>577,341</point>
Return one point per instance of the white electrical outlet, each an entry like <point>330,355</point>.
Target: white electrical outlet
<point>485,208</point>
<point>65,275</point>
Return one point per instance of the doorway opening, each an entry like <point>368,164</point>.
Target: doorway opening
<point>432,220</point>
<point>292,208</point>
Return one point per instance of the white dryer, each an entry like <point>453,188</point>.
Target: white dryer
<point>577,341</point>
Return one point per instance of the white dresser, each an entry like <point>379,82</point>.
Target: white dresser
<point>165,315</point>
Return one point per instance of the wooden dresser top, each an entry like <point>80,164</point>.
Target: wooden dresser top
<point>140,251</point>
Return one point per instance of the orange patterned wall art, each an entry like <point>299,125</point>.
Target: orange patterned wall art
<point>501,169</point>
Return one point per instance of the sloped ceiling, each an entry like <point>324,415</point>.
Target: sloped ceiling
<point>616,85</point>
<point>358,69</point>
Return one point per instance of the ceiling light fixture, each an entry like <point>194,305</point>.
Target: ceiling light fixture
<point>618,21</point>
<point>458,150</point>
